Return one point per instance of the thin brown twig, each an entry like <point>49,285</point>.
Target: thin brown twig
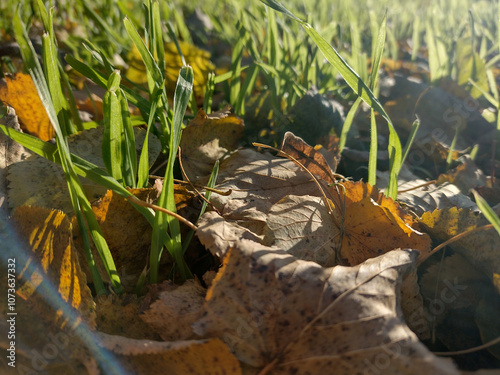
<point>191,184</point>
<point>139,202</point>
<point>456,238</point>
<point>216,191</point>
<point>471,350</point>
<point>417,187</point>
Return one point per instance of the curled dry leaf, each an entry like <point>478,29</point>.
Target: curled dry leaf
<point>201,357</point>
<point>281,315</point>
<point>311,158</point>
<point>209,138</point>
<point>19,92</point>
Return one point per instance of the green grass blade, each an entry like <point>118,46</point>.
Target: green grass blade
<point>112,136</point>
<point>377,54</point>
<point>376,59</point>
<point>372,159</point>
<point>158,36</point>
<point>487,211</point>
<point>128,144</point>
<point>415,39</point>
<point>150,63</point>
<point>102,80</point>
<point>119,40</point>
<point>211,184</point>
<point>449,158</point>
<point>209,93</point>
<point>235,85</point>
<point>229,75</point>
<point>411,138</point>
<point>143,173</point>
<point>276,5</point>
<point>82,167</point>
<point>246,90</point>
<point>164,223</point>
<point>348,123</point>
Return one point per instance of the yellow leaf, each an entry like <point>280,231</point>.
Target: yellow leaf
<point>19,92</point>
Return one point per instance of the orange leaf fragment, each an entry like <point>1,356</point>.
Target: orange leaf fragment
<point>196,357</point>
<point>18,91</point>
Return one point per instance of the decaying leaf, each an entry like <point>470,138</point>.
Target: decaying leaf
<point>422,197</point>
<point>19,92</point>
<point>202,357</point>
<point>465,176</point>
<point>365,230</point>
<point>311,158</point>
<point>269,200</point>
<point>51,301</point>
<point>37,181</point>
<point>49,235</point>
<point>281,315</point>
<point>174,311</point>
<point>119,315</point>
<point>481,249</point>
<point>209,138</point>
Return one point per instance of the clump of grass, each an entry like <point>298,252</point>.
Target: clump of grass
<point>118,141</point>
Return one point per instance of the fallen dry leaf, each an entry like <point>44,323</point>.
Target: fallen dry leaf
<point>173,312</point>
<point>201,357</point>
<point>366,225</point>
<point>423,197</point>
<point>365,230</point>
<point>311,158</point>
<point>481,249</point>
<point>209,138</point>
<point>465,176</point>
<point>19,91</point>
<point>280,315</point>
<point>119,315</point>
<point>49,235</point>
<point>52,300</point>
